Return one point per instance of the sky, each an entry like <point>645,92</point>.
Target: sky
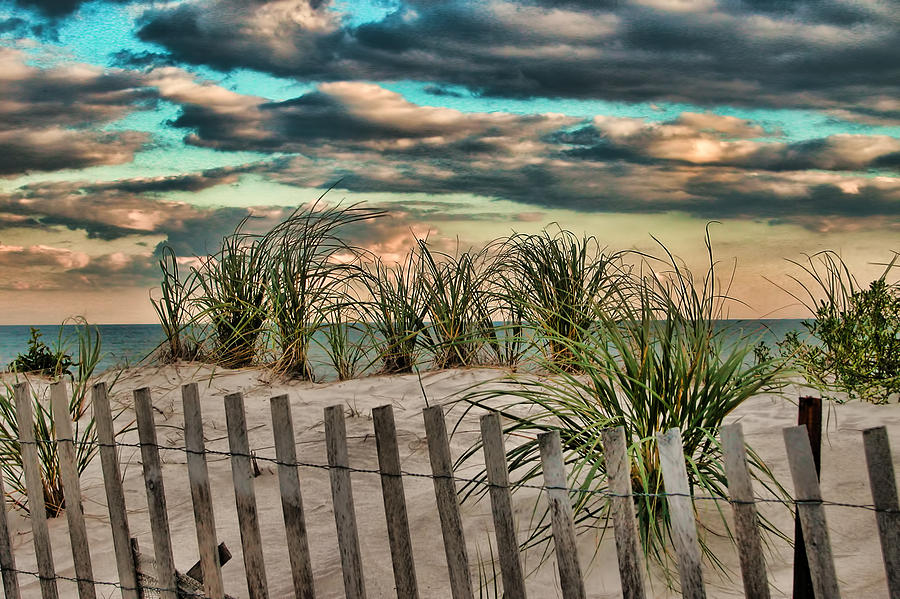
<point>128,126</point>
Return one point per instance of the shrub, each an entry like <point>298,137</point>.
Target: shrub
<point>41,359</point>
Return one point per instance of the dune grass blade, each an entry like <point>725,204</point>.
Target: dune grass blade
<point>173,309</point>
<point>309,268</point>
<point>660,361</point>
<point>395,312</point>
<point>457,306</point>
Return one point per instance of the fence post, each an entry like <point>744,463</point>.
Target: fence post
<point>628,547</point>
<point>7,559</point>
<point>245,497</point>
<point>681,513</point>
<point>812,514</point>
<point>884,494</point>
<point>447,502</point>
<point>35,489</point>
<point>809,415</point>
<point>342,496</point>
<point>201,496</point>
<point>291,500</point>
<point>561,518</point>
<point>68,472</point>
<point>115,495</point>
<point>501,506</point>
<point>156,496</point>
<point>746,524</point>
<point>394,503</point>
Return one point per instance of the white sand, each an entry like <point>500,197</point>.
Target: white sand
<point>853,531</point>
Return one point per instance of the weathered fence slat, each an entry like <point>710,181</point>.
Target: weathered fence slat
<point>291,500</point>
<point>447,502</point>
<point>501,506</point>
<point>342,498</point>
<point>561,517</point>
<point>812,513</point>
<point>115,495</point>
<point>740,489</point>
<point>156,496</point>
<point>201,495</point>
<point>884,495</point>
<point>68,471</point>
<point>628,547</point>
<point>35,490</point>
<point>394,503</point>
<point>7,559</point>
<point>681,513</point>
<point>245,497</point>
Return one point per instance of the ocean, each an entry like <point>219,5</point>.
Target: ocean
<point>125,345</point>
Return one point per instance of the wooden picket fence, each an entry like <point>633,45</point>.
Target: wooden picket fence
<point>207,580</point>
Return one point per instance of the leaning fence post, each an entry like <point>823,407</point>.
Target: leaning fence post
<point>812,513</point>
<point>809,414</point>
<point>291,500</point>
<point>561,518</point>
<point>156,496</point>
<point>448,502</point>
<point>746,524</point>
<point>394,503</point>
<point>7,559</point>
<point>201,495</point>
<point>68,471</point>
<point>35,489</point>
<point>628,547</point>
<point>115,495</point>
<point>342,497</point>
<point>501,506</point>
<point>887,508</point>
<point>245,497</point>
<point>681,513</point>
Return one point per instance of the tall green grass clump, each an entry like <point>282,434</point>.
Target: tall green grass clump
<point>308,272</point>
<point>395,312</point>
<point>173,308</point>
<point>559,282</point>
<point>458,308</point>
<point>87,340</point>
<point>232,295</point>
<point>659,361</point>
<point>853,343</point>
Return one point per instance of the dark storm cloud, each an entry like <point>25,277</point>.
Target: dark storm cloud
<point>821,55</point>
<point>56,8</point>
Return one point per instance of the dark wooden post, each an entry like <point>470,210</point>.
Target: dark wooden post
<point>810,415</point>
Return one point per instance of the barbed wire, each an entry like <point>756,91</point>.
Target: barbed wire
<point>179,591</point>
<point>477,481</point>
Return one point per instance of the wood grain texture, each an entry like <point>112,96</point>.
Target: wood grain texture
<point>884,495</point>
<point>448,503</point>
<point>681,514</point>
<point>291,499</point>
<point>245,497</point>
<point>156,495</point>
<point>746,521</point>
<point>68,472</point>
<point>628,547</point>
<point>394,503</point>
<point>561,518</point>
<point>7,559</point>
<point>201,495</point>
<point>811,511</point>
<point>115,495</point>
<point>35,490</point>
<point>342,498</point>
<point>501,506</point>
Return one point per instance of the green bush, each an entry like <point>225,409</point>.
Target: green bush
<point>41,359</point>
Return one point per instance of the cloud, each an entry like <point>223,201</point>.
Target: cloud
<point>49,117</point>
<point>823,54</point>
